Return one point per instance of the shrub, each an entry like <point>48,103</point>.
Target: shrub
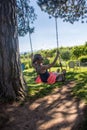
<point>66,55</point>
<point>27,66</point>
<point>30,64</point>
<point>83,60</point>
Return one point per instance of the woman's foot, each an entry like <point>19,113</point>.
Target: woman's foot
<point>64,74</point>
<point>61,78</point>
<point>64,71</point>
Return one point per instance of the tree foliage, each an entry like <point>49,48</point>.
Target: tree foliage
<point>68,10</point>
<point>78,51</point>
<point>25,17</point>
<point>66,55</point>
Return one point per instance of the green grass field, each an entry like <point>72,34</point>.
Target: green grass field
<point>80,89</point>
<point>40,90</point>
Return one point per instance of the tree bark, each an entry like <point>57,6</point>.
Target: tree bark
<point>12,85</point>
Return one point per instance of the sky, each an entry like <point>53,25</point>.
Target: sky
<point>44,36</point>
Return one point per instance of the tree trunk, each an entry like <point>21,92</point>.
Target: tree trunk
<point>12,85</point>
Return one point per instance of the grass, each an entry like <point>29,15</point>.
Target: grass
<point>80,90</point>
<point>39,90</point>
<point>81,86</point>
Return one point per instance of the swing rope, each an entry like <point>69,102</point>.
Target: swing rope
<point>30,43</point>
<point>57,33</point>
<point>57,40</point>
<point>30,37</point>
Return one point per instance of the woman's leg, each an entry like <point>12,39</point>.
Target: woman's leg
<point>64,72</point>
<point>61,76</point>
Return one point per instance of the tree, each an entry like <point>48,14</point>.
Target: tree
<point>68,10</point>
<point>25,17</point>
<point>12,84</point>
<point>85,44</point>
<point>66,55</point>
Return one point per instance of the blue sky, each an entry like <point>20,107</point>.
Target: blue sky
<point>44,36</point>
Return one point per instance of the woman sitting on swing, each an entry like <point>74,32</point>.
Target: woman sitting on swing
<point>42,70</point>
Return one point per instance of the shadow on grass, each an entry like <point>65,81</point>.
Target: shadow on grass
<point>53,113</point>
<point>72,76</point>
<point>80,89</point>
<point>40,90</point>
<point>36,115</point>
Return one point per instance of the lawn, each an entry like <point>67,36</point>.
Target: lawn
<point>39,90</point>
<point>78,75</point>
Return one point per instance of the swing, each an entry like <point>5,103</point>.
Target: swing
<point>56,41</point>
<point>51,77</point>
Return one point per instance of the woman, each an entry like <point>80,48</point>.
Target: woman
<point>42,70</point>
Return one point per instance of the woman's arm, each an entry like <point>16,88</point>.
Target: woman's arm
<point>51,64</point>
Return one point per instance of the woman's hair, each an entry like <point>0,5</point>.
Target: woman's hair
<point>37,57</point>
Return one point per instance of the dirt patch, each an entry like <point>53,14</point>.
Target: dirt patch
<point>57,111</point>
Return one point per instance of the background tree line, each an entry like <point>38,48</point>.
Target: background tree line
<point>66,53</point>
